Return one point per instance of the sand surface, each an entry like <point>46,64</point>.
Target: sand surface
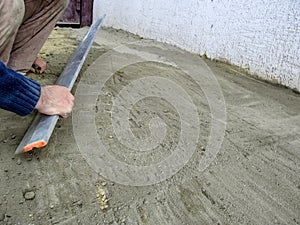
<point>158,136</point>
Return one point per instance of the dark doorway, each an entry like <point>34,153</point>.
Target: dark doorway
<point>78,14</point>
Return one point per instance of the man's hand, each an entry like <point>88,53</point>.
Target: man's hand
<point>55,100</point>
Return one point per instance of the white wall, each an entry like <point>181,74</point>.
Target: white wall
<point>260,35</point>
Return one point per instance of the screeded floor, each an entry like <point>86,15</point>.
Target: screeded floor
<point>142,127</point>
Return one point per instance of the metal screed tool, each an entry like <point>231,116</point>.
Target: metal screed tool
<point>41,128</point>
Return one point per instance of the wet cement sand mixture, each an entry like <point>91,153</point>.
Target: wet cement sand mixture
<point>254,179</point>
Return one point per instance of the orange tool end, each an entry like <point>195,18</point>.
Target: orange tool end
<point>38,144</point>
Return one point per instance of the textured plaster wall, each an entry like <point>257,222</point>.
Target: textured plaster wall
<point>260,35</point>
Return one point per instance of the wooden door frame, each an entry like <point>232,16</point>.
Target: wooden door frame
<point>86,17</point>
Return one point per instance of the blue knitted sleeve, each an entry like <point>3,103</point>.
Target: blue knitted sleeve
<point>18,93</point>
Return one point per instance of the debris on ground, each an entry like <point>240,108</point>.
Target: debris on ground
<point>102,198</point>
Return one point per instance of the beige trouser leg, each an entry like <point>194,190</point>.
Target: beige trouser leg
<point>38,22</point>
<point>11,17</point>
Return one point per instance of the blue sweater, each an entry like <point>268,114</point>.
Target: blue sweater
<point>18,93</point>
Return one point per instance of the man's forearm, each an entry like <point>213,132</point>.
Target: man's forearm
<point>18,93</point>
